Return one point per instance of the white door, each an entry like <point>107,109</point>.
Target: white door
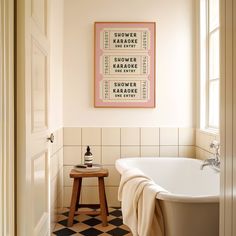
<point>33,216</point>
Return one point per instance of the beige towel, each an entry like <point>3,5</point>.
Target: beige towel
<point>140,208</point>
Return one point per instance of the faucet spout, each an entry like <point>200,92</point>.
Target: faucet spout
<point>214,161</point>
<point>209,162</point>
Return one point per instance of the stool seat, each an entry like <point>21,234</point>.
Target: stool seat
<point>78,174</point>
<point>77,184</point>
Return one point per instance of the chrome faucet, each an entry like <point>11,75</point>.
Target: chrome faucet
<point>214,161</point>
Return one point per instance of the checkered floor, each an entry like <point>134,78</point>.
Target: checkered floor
<point>86,225</point>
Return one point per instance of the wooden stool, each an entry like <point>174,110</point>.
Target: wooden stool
<point>78,176</point>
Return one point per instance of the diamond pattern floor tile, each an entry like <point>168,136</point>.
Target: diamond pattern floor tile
<point>92,222</point>
<point>64,222</point>
<point>118,232</point>
<point>91,232</point>
<point>85,225</point>
<point>64,232</point>
<point>116,213</point>
<point>116,222</point>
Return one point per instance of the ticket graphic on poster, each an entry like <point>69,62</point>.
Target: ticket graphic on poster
<point>125,39</point>
<point>124,90</point>
<point>124,64</point>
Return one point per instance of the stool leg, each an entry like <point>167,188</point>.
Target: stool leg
<point>74,198</point>
<point>106,202</point>
<point>79,190</point>
<point>102,198</point>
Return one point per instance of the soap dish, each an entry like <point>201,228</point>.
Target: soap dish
<point>84,168</point>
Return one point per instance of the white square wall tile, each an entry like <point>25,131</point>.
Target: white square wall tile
<point>67,196</point>
<point>199,153</point>
<point>72,155</point>
<point>217,137</point>
<point>197,133</point>
<point>202,154</point>
<point>91,136</point>
<point>53,191</point>
<point>169,151</point>
<point>60,158</point>
<point>72,136</point>
<point>110,136</point>
<point>130,136</point>
<point>150,151</point>
<point>90,181</point>
<point>54,216</point>
<point>112,196</point>
<point>187,151</point>
<point>169,136</point>
<point>150,136</point>
<point>60,137</point>
<point>60,183</point>
<point>90,195</point>
<point>54,165</point>
<point>130,151</point>
<point>187,136</point>
<point>60,202</point>
<point>96,151</point>
<point>113,178</point>
<point>207,155</point>
<point>203,140</point>
<point>110,154</point>
<point>68,182</point>
<point>198,138</point>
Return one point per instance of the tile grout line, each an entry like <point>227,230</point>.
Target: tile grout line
<point>146,145</point>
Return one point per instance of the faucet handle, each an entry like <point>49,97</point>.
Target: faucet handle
<point>215,144</point>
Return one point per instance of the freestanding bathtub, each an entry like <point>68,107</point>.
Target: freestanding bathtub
<point>190,204</point>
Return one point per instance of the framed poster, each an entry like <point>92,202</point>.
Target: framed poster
<point>124,64</point>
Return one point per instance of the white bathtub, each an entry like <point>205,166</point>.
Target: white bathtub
<point>190,205</point>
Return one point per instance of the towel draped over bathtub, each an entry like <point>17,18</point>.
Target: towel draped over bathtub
<point>140,208</point>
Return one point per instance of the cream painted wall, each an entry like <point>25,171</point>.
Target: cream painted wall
<point>174,54</point>
<point>56,64</point>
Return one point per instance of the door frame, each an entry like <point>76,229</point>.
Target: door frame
<point>228,117</point>
<point>7,183</point>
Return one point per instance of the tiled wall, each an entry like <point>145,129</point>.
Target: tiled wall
<point>203,141</point>
<point>110,144</point>
<point>56,175</point>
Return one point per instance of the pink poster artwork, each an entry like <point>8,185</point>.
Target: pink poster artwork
<point>125,64</point>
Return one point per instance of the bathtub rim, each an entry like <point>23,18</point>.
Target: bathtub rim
<point>121,166</point>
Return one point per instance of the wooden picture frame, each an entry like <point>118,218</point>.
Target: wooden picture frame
<point>124,59</point>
